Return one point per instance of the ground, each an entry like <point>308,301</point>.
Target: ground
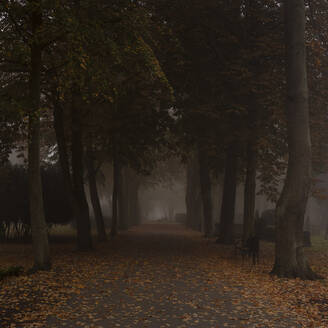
<point>159,276</point>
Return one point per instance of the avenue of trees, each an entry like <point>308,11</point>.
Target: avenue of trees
<point>234,89</point>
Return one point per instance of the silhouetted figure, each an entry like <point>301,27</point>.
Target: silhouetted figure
<point>253,247</point>
<point>240,248</point>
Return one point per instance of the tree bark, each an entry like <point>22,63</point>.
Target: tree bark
<point>63,155</point>
<point>193,195</point>
<point>251,26</point>
<point>133,195</point>
<point>84,239</point>
<point>38,222</point>
<point>226,230</point>
<point>188,198</point>
<point>128,200</point>
<point>290,260</point>
<point>116,182</point>
<point>135,205</point>
<point>205,186</point>
<point>123,200</point>
<point>250,191</point>
<point>76,207</point>
<point>101,231</point>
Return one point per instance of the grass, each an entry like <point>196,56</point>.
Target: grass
<point>319,244</point>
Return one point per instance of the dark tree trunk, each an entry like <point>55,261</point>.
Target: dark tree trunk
<point>250,191</point>
<point>251,26</point>
<point>290,260</point>
<point>65,165</point>
<point>205,186</point>
<point>75,195</point>
<point>128,200</point>
<point>188,198</point>
<point>84,239</point>
<point>226,230</point>
<point>63,155</point>
<point>135,205</point>
<point>38,222</point>
<point>123,200</point>
<point>193,195</point>
<point>101,231</point>
<point>116,182</point>
<point>132,184</point>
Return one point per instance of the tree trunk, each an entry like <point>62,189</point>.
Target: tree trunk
<point>135,212</point>
<point>251,27</point>
<point>133,195</point>
<point>84,239</point>
<point>128,201</point>
<point>290,260</point>
<point>188,198</point>
<point>101,231</point>
<point>193,195</point>
<point>65,166</point>
<point>116,182</point>
<point>63,155</point>
<point>226,231</point>
<point>38,222</point>
<point>123,200</point>
<point>205,186</point>
<point>250,192</point>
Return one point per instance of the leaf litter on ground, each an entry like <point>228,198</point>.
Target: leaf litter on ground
<point>159,276</point>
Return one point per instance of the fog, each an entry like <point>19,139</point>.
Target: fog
<point>162,203</point>
<point>162,195</point>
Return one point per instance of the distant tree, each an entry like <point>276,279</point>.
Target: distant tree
<point>226,234</point>
<point>193,194</point>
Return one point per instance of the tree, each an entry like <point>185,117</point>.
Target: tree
<point>205,187</point>
<point>92,181</point>
<point>38,223</point>
<point>250,190</point>
<point>290,260</point>
<point>206,79</point>
<point>226,234</point>
<point>262,44</point>
<point>193,194</point>
<point>22,46</point>
<point>128,202</point>
<point>84,239</point>
<point>116,186</point>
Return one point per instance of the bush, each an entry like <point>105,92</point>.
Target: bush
<point>14,214</point>
<point>11,271</point>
